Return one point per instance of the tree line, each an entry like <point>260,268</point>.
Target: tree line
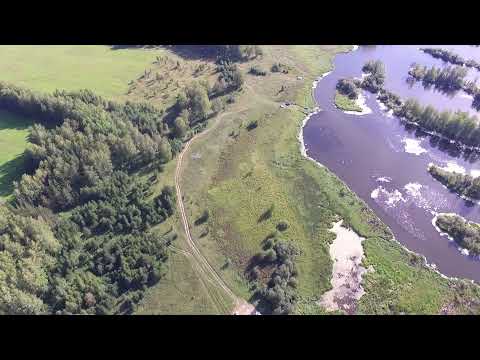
<point>465,185</point>
<point>237,52</point>
<point>95,140</point>
<point>98,261</point>
<point>449,78</point>
<point>348,87</point>
<point>219,52</point>
<point>458,126</point>
<point>451,57</point>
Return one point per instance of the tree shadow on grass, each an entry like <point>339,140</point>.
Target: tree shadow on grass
<point>187,52</point>
<point>11,171</point>
<point>266,215</point>
<point>122,47</point>
<point>194,52</point>
<point>11,121</point>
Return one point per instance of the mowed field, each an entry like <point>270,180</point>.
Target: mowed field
<point>72,67</point>
<point>13,140</point>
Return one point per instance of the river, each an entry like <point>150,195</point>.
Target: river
<point>386,164</point>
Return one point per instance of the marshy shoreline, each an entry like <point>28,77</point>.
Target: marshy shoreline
<point>429,266</point>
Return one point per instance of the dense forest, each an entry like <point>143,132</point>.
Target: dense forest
<point>100,256</point>
<point>77,237</point>
<point>462,184</point>
<point>466,234</point>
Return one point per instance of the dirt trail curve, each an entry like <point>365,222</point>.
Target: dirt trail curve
<point>241,306</point>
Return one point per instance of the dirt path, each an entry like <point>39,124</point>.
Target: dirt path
<point>241,307</point>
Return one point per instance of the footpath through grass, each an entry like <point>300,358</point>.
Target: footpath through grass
<point>13,141</point>
<point>116,74</point>
<point>237,172</point>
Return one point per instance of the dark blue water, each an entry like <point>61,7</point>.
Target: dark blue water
<point>386,164</point>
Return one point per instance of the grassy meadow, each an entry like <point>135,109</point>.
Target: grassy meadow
<point>237,174</point>
<point>46,68</point>
<point>345,103</point>
<point>13,141</point>
<point>72,67</point>
<point>118,74</point>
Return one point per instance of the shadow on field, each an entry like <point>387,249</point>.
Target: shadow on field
<point>9,172</point>
<point>122,47</point>
<point>194,52</point>
<point>7,122</point>
<point>188,52</point>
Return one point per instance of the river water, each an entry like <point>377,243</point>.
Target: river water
<point>386,163</point>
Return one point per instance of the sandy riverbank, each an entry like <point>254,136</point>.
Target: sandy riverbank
<point>347,253</point>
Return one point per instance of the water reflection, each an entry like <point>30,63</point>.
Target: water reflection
<point>385,160</point>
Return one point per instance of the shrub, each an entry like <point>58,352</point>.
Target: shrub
<point>267,214</point>
<point>203,218</point>
<point>258,71</point>
<point>278,67</point>
<point>282,226</point>
<point>252,125</point>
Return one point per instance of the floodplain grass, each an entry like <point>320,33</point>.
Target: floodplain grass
<point>345,103</point>
<point>245,172</point>
<point>182,290</point>
<point>237,174</point>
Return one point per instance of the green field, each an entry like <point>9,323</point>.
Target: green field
<point>237,174</point>
<point>345,103</point>
<point>72,67</point>
<point>13,140</point>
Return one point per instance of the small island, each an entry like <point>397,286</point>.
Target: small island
<point>464,185</point>
<point>345,103</point>
<point>465,233</point>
